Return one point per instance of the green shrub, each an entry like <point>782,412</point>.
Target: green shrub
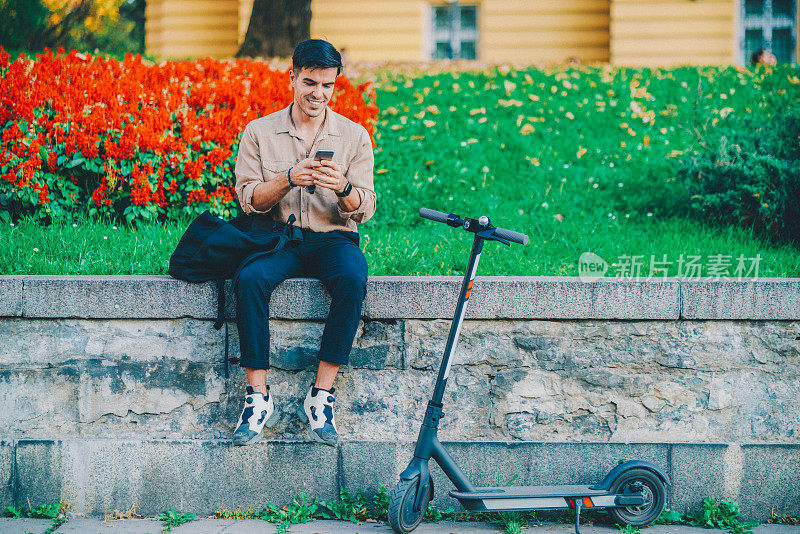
<point>750,175</point>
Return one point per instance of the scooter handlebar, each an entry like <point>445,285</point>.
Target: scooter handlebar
<point>508,235</point>
<point>433,215</point>
<point>511,235</point>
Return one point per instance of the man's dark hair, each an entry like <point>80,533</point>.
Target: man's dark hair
<point>316,54</point>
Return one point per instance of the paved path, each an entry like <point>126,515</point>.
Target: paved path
<point>233,526</point>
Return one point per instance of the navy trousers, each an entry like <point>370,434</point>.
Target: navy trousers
<point>334,258</point>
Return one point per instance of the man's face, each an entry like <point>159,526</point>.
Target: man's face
<point>313,89</point>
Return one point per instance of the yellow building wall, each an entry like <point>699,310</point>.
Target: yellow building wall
<point>670,32</point>
<point>624,32</point>
<point>508,30</point>
<point>549,31</point>
<point>192,28</point>
<point>372,30</point>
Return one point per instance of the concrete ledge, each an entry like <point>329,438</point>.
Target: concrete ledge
<point>96,476</point>
<point>6,472</point>
<point>510,297</point>
<point>765,299</point>
<point>201,476</point>
<point>123,297</point>
<point>145,297</point>
<point>10,296</point>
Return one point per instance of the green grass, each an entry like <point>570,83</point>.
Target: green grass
<point>94,247</point>
<point>568,182</point>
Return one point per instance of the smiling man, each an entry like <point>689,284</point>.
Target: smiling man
<point>281,179</point>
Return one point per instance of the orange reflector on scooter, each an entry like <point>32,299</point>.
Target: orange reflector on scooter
<point>587,502</point>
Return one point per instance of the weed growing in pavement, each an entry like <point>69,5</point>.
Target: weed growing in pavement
<point>224,513</point>
<point>669,517</point>
<point>512,522</point>
<point>353,508</point>
<point>173,518</point>
<point>776,519</point>
<point>724,515</point>
<point>56,512</point>
<point>116,515</point>
<point>434,515</point>
<point>380,504</point>
<point>298,511</point>
<point>356,508</point>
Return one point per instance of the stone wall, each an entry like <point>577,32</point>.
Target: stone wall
<point>541,361</point>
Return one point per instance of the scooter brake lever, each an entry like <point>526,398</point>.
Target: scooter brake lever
<point>489,235</point>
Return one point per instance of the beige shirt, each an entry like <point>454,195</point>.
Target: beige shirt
<point>271,144</point>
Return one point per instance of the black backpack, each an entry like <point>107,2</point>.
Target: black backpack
<point>215,249</point>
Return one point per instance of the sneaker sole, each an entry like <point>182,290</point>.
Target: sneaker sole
<point>271,420</point>
<point>301,412</point>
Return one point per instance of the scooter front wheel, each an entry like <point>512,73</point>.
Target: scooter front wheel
<point>402,516</point>
<point>652,488</point>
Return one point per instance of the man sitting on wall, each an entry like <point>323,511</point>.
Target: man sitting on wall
<point>277,177</point>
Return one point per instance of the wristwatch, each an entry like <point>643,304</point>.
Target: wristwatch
<point>346,191</point>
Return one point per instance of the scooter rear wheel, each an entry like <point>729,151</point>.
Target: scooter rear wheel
<point>655,494</point>
<point>402,516</point>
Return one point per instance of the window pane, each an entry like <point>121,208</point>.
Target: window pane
<point>443,51</point>
<point>469,17</point>
<point>468,50</point>
<point>753,40</point>
<point>783,7</point>
<point>441,17</point>
<point>782,44</point>
<point>753,7</point>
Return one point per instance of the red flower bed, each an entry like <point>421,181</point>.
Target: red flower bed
<point>134,140</point>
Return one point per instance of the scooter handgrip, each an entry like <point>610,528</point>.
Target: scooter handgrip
<point>511,235</point>
<point>433,215</point>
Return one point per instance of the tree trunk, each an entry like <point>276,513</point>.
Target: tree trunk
<point>276,26</point>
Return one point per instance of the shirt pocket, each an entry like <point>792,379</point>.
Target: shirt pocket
<point>271,169</point>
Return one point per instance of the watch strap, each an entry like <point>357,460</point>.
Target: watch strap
<point>346,191</point>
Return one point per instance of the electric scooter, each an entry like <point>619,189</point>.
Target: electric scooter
<point>634,491</point>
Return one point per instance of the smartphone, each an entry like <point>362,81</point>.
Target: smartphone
<point>319,156</point>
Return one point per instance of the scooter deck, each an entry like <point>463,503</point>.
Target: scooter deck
<point>537,498</point>
<point>528,491</point>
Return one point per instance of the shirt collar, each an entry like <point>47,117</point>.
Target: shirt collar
<point>329,126</point>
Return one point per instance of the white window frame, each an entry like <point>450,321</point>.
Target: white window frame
<point>766,22</point>
<point>455,34</point>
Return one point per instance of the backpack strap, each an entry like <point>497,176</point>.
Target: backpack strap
<point>221,307</point>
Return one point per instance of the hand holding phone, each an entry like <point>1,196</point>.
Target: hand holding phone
<point>319,156</point>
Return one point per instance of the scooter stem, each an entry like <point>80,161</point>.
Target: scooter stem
<point>458,319</point>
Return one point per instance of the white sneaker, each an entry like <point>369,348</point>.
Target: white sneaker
<point>258,412</point>
<point>318,411</point>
